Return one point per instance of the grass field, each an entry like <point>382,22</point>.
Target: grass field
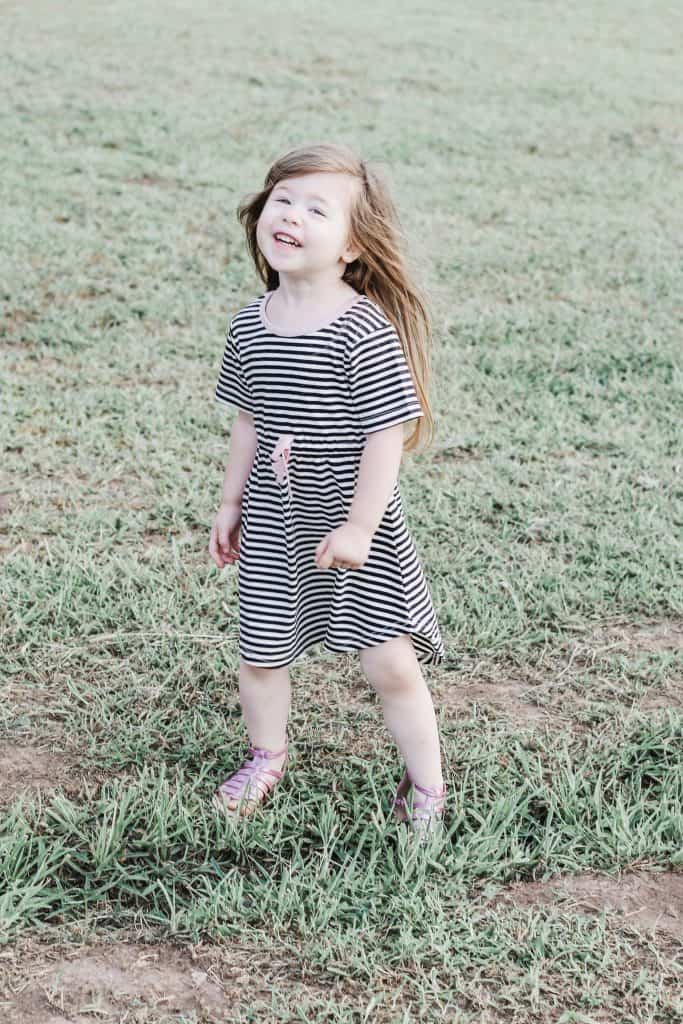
<point>535,152</point>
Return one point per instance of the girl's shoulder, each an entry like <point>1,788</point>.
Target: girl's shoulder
<point>367,317</point>
<point>247,317</point>
<point>367,321</point>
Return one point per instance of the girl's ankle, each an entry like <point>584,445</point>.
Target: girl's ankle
<point>275,753</point>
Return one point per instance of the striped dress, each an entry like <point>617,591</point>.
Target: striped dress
<point>314,397</point>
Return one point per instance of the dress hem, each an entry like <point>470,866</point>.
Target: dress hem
<point>433,656</point>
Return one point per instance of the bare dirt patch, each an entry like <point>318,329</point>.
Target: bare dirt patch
<point>139,982</point>
<point>557,688</point>
<point>639,901</point>
<point>12,326</point>
<point>631,640</point>
<point>108,980</point>
<point>661,702</point>
<point>453,452</point>
<point>27,769</point>
<point>508,696</point>
<point>152,179</point>
<point>631,637</point>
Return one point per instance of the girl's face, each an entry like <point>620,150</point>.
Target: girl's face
<point>314,210</point>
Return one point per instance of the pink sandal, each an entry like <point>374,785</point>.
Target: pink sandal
<point>427,808</point>
<point>249,786</point>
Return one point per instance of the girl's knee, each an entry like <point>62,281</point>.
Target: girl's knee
<point>391,668</point>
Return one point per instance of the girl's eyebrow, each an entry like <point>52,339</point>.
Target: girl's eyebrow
<point>320,199</point>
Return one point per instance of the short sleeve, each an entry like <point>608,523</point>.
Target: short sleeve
<point>382,389</point>
<point>232,387</point>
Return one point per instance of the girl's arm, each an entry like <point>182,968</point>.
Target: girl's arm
<point>243,443</point>
<point>377,474</point>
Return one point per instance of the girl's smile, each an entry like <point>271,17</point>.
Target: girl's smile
<point>283,238</point>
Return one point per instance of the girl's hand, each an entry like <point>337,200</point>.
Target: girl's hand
<point>347,547</point>
<point>225,532</point>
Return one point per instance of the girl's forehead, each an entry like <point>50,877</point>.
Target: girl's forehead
<point>326,185</point>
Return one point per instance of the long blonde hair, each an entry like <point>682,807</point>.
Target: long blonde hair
<point>380,271</point>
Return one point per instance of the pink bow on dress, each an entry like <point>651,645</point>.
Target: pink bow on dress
<point>280,458</point>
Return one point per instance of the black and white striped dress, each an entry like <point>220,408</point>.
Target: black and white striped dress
<point>314,397</point>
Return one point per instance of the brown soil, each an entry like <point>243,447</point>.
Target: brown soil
<point>127,981</point>
<point>645,902</point>
<point>141,983</point>
<point>666,635</point>
<point>29,770</point>
<point>541,694</point>
<point>509,697</point>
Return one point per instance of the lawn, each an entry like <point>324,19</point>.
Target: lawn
<point>535,155</point>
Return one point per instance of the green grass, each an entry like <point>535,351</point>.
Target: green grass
<point>535,156</point>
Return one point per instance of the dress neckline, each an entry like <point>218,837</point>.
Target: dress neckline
<point>302,334</point>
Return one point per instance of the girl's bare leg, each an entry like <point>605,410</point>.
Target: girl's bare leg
<point>392,669</point>
<point>265,698</point>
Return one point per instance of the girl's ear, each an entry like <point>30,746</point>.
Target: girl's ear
<point>350,254</point>
<point>352,250</point>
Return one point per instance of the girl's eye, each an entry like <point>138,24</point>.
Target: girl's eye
<point>281,199</point>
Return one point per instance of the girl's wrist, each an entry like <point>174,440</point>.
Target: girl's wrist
<point>363,527</point>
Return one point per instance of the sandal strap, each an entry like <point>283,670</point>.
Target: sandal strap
<point>267,754</point>
<point>253,775</point>
<point>428,802</point>
<point>436,791</point>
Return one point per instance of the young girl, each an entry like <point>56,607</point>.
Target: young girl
<point>325,367</point>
